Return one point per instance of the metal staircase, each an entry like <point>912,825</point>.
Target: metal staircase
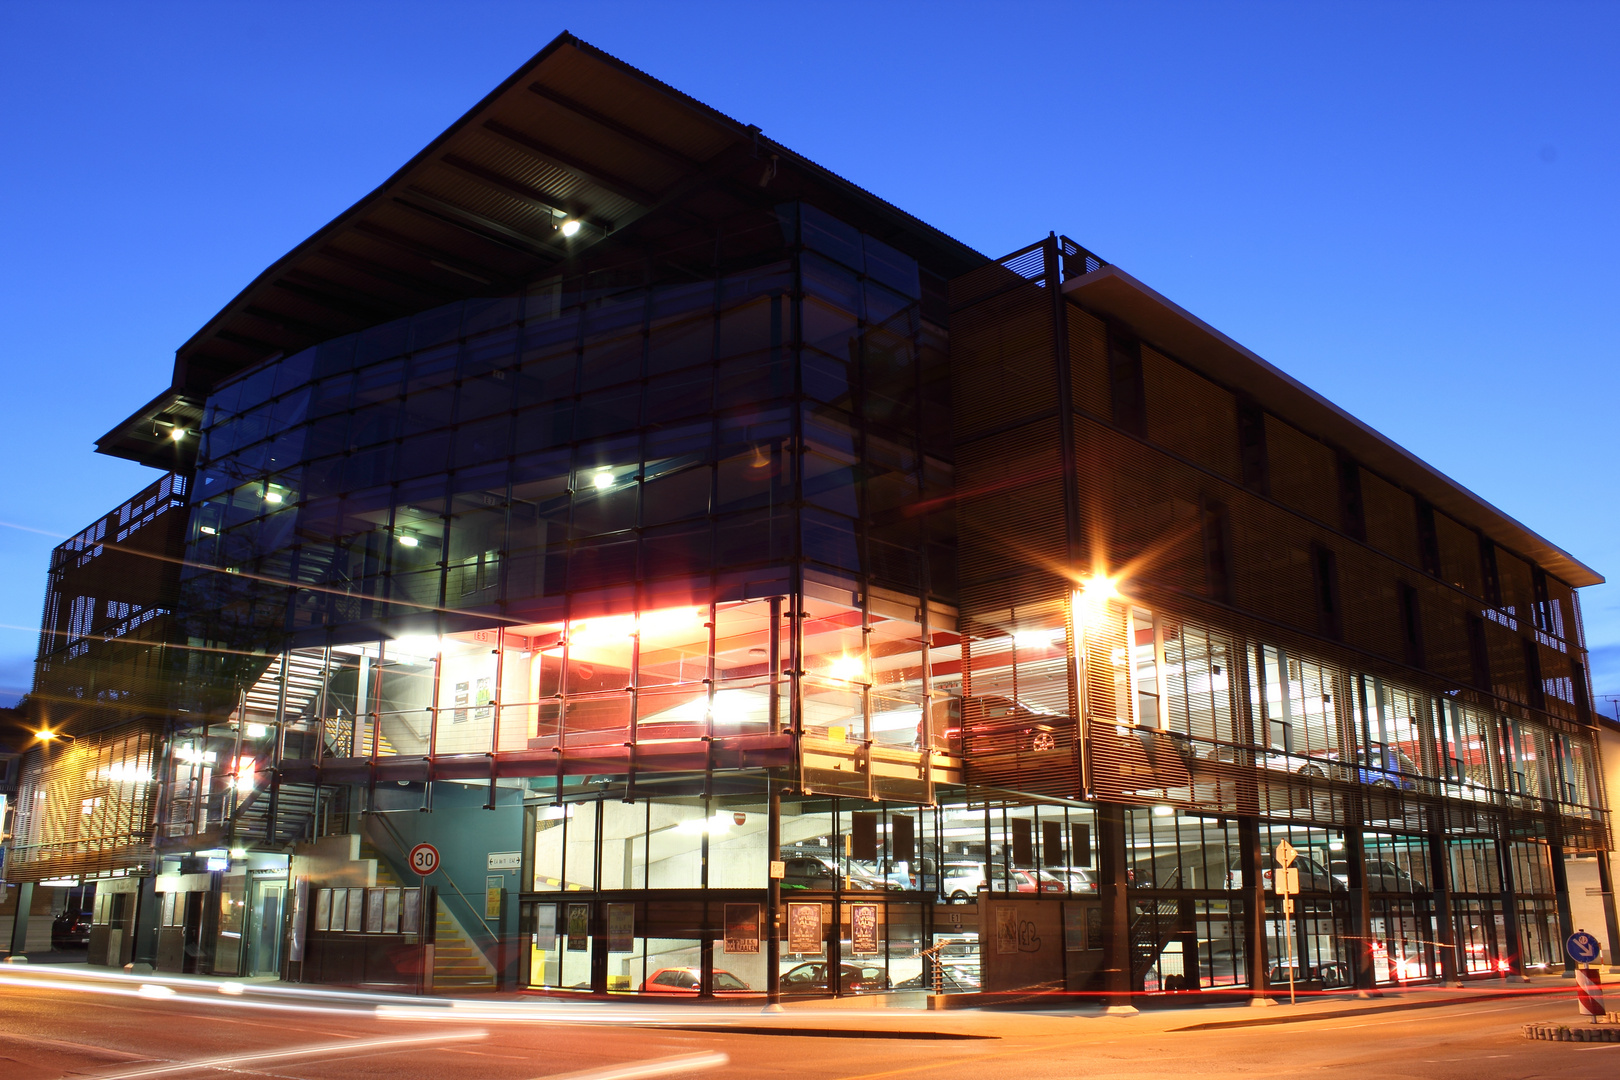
<point>458,962</point>
<point>1156,924</point>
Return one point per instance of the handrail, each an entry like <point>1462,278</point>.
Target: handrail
<point>399,846</point>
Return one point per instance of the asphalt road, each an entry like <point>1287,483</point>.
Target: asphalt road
<point>114,1030</point>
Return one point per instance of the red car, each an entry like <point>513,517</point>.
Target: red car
<point>689,980</point>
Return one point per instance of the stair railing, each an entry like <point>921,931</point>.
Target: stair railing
<point>399,847</point>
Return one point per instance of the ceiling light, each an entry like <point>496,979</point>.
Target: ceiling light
<point>408,539</point>
<point>1037,639</point>
<point>603,481</point>
<point>273,498</point>
<point>570,227</point>
<point>177,434</point>
<point>208,530</point>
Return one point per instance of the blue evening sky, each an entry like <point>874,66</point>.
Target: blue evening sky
<point>1409,207</point>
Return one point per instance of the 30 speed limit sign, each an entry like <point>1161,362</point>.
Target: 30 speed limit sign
<point>424,859</point>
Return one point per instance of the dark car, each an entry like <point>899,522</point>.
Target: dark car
<point>71,930</point>
<point>1313,876</point>
<point>854,978</point>
<point>1382,876</point>
<point>805,872</point>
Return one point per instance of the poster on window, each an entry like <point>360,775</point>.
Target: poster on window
<point>545,927</point>
<point>300,905</point>
<point>863,929</point>
<point>459,715</point>
<point>621,927</point>
<point>1082,927</point>
<point>742,928</point>
<point>804,929</point>
<point>483,695</point>
<point>579,927</point>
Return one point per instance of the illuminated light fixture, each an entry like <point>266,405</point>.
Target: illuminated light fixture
<point>603,480</point>
<point>1094,595</point>
<point>570,227</point>
<point>1164,811</point>
<point>847,668</point>
<point>238,853</point>
<point>177,434</point>
<point>661,621</point>
<point>208,530</point>
<point>46,735</point>
<point>408,539</point>
<point>273,498</point>
<point>423,646</point>
<point>257,731</point>
<point>1037,639</point>
<point>1335,845</point>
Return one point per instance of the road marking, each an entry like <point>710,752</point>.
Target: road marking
<point>642,1070</point>
<point>349,1047</point>
<point>40,1040</point>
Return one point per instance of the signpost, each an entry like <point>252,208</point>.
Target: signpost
<point>424,859</point>
<point>1583,948</point>
<point>1286,881</point>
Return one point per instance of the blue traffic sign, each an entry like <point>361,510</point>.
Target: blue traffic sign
<point>1583,948</point>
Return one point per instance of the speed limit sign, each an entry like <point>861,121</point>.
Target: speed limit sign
<point>424,859</point>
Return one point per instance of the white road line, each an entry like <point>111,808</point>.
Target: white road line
<point>642,1070</point>
<point>347,1047</point>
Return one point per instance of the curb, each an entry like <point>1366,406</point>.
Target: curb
<point>1593,1033</point>
<point>1339,1014</point>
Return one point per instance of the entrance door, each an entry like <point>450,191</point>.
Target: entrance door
<point>265,950</point>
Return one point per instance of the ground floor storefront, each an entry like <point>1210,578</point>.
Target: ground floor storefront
<point>717,885</point>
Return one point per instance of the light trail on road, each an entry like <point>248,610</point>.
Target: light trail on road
<point>646,1070</point>
<point>331,1049</point>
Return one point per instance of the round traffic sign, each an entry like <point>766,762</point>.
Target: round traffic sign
<point>1583,948</point>
<point>424,859</point>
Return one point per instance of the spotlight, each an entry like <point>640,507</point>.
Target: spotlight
<point>603,480</point>
<point>177,434</point>
<point>408,539</point>
<point>570,227</point>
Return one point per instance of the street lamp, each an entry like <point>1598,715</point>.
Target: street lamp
<point>46,735</point>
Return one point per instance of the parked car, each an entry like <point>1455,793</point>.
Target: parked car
<point>1386,767</point>
<point>962,881</point>
<point>1079,879</point>
<point>1380,766</point>
<point>1333,975</point>
<point>803,872</point>
<point>993,725</point>
<point>1382,876</point>
<point>1313,876</point>
<point>689,980</point>
<point>853,978</point>
<point>71,930</point>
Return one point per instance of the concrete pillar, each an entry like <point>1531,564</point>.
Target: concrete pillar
<point>1254,907</point>
<point>1113,890</point>
<point>1566,921</point>
<point>1362,975</point>
<point>1445,922</point>
<point>19,925</point>
<point>1510,904</point>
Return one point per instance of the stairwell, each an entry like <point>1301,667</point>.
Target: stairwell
<point>458,962</point>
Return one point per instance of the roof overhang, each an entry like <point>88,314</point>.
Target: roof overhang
<point>574,135</point>
<point>149,435</point>
<point>1116,295</point>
